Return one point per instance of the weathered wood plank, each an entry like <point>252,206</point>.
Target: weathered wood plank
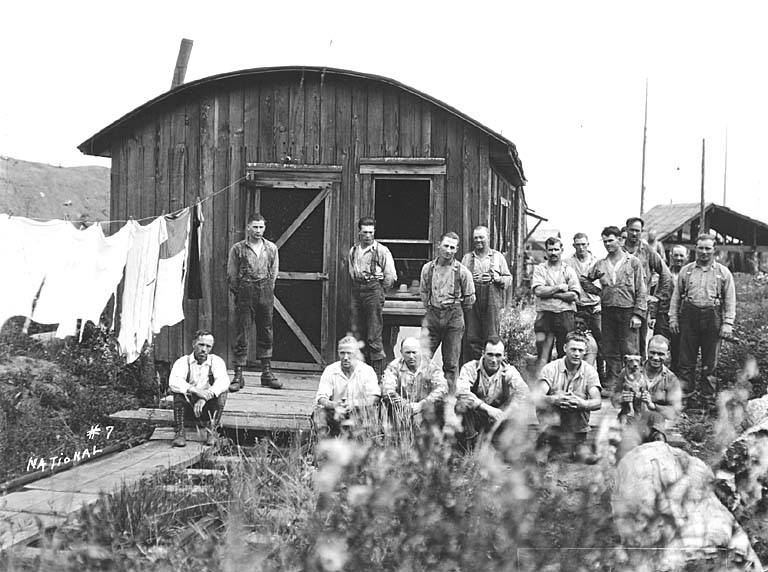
<point>327,122</point>
<point>407,131</point>
<point>426,129</point>
<point>191,194</point>
<point>149,144</point>
<point>266,141</point>
<point>282,114</point>
<point>358,139</point>
<point>236,196</point>
<point>163,181</point>
<point>296,121</point>
<point>484,184</point>
<point>400,161</point>
<point>308,210</point>
<point>54,503</point>
<point>454,199</point>
<point>251,100</point>
<point>221,224</point>
<point>391,123</point>
<point>243,422</point>
<point>469,181</point>
<point>112,471</point>
<point>375,120</point>
<point>402,169</point>
<point>133,173</point>
<point>207,136</point>
<point>20,527</point>
<point>312,119</point>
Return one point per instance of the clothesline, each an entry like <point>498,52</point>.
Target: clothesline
<point>200,201</point>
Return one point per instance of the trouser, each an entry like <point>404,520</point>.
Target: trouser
<point>595,325</point>
<point>367,318</point>
<point>254,301</point>
<point>445,326</point>
<point>619,339</point>
<point>557,323</point>
<point>674,350</point>
<point>212,410</point>
<point>699,328</point>
<point>483,318</point>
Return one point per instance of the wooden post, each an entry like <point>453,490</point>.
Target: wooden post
<point>645,137</point>
<point>702,227</point>
<point>181,63</point>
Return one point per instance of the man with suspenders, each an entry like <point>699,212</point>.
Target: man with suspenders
<point>199,383</point>
<point>702,311</point>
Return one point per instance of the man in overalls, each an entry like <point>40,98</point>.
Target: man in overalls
<point>372,270</point>
<point>199,383</point>
<point>252,271</point>
<point>447,291</point>
<point>702,311</point>
<point>491,276</point>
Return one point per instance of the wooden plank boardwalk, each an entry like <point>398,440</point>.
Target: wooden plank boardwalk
<point>254,407</point>
<point>47,502</point>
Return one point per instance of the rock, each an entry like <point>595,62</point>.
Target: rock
<point>664,498</point>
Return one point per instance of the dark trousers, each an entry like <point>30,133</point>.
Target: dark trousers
<point>699,329</point>
<point>254,302</point>
<point>367,318</point>
<point>184,405</point>
<point>557,323</point>
<point>445,326</point>
<point>618,340</point>
<point>483,318</point>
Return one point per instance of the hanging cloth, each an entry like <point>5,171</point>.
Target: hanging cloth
<point>138,299</point>
<point>169,292</point>
<point>194,275</point>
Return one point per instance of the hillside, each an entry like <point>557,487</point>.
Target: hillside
<point>44,191</point>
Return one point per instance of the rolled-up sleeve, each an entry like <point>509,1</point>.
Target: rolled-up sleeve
<point>467,287</point>
<point>390,377</point>
<point>220,376</point>
<point>439,384</point>
<point>177,381</point>
<point>232,268</point>
<point>390,273</point>
<point>518,389</point>
<point>464,386</point>
<point>325,387</point>
<point>424,285</point>
<point>641,291</point>
<point>729,309</point>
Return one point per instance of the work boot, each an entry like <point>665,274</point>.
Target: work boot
<point>180,439</point>
<point>238,382</point>
<point>268,379</point>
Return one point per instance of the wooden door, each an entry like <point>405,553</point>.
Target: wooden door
<point>298,221</point>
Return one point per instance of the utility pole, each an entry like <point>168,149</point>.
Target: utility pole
<point>645,138</point>
<point>702,228</point>
<point>725,168</point>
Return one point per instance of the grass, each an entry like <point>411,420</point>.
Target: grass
<point>392,500</point>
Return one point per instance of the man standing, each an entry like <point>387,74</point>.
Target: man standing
<point>251,274</point>
<point>623,297</point>
<point>414,383</point>
<point>347,386</point>
<point>372,270</point>
<point>702,311</point>
<point>199,383</point>
<point>556,286</point>
<point>651,263</point>
<point>567,391</point>
<point>678,258</point>
<point>486,388</point>
<point>447,291</point>
<point>491,276</point>
<point>589,299</point>
<point>660,403</point>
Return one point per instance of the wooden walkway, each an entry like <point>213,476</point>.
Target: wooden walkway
<point>50,500</point>
<point>254,407</point>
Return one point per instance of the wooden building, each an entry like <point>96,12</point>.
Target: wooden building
<point>313,149</point>
<point>743,240</point>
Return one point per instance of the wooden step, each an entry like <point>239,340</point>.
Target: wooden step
<point>262,421</point>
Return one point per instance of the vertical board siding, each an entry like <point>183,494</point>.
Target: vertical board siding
<point>202,146</point>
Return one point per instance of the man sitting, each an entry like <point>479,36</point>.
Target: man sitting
<point>346,386</point>
<point>199,383</point>
<point>662,401</point>
<point>488,389</point>
<point>568,390</point>
<point>414,385</point>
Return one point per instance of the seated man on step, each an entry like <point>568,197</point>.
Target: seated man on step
<point>347,392</point>
<point>199,383</point>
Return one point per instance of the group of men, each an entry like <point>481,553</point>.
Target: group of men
<point>692,305</point>
<point>589,310</point>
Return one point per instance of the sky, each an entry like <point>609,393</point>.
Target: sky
<point>565,81</point>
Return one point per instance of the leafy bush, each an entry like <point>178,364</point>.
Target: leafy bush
<point>516,331</point>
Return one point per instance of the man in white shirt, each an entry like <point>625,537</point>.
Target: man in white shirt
<point>347,386</point>
<point>199,383</point>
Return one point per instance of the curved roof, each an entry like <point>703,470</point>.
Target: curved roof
<point>503,151</point>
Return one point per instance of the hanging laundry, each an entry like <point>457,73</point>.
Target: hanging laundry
<point>28,251</point>
<point>169,293</point>
<point>80,283</point>
<point>194,274</point>
<point>138,298</point>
